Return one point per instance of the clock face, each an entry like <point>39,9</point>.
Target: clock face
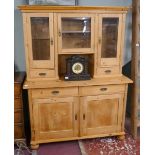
<point>77,68</point>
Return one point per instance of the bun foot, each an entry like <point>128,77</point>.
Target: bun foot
<point>121,137</point>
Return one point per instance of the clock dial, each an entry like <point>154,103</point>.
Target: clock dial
<point>77,68</point>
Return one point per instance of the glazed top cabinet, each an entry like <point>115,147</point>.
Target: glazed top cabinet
<point>51,33</point>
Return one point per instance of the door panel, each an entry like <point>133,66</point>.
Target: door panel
<point>41,43</point>
<point>109,45</point>
<point>57,117</point>
<point>76,33</point>
<point>101,114</point>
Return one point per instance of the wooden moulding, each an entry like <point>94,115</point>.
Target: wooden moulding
<point>47,7</point>
<point>76,138</point>
<point>61,83</point>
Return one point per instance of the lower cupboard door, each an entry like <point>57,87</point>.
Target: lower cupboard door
<point>55,118</point>
<point>101,114</point>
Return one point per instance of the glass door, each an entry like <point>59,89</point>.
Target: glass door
<point>40,40</point>
<point>75,33</point>
<point>109,45</point>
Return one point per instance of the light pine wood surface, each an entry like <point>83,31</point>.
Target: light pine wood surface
<point>70,110</point>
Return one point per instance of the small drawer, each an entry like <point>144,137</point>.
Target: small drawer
<point>18,117</point>
<point>104,89</point>
<point>17,90</point>
<point>42,73</point>
<point>18,131</point>
<point>17,103</point>
<point>108,71</point>
<point>53,92</point>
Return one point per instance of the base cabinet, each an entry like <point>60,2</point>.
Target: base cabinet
<point>68,116</point>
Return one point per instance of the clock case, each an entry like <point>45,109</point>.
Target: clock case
<point>70,75</point>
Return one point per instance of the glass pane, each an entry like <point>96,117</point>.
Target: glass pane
<point>40,38</point>
<point>109,37</point>
<point>76,33</point>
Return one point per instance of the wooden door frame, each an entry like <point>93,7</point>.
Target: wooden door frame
<point>76,50</point>
<point>135,70</point>
<point>34,64</point>
<point>102,62</point>
<point>83,111</point>
<point>75,115</point>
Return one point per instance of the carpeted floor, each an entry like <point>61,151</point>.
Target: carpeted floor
<point>58,148</point>
<point>110,146</point>
<point>95,146</point>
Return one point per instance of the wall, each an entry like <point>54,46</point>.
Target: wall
<point>19,56</point>
<point>19,44</point>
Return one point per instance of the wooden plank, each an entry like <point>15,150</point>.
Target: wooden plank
<point>41,7</point>
<point>124,106</point>
<point>122,41</point>
<point>55,39</point>
<point>134,67</point>
<point>25,32</point>
<point>96,45</point>
<point>78,138</point>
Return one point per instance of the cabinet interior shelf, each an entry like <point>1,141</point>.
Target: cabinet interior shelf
<point>76,18</point>
<point>75,32</point>
<point>41,38</point>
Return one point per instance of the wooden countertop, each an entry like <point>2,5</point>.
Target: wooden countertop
<point>61,83</point>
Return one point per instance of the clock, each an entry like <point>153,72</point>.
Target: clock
<point>77,68</point>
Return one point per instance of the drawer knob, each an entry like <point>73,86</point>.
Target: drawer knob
<point>42,74</point>
<point>107,71</point>
<point>55,92</point>
<point>103,89</point>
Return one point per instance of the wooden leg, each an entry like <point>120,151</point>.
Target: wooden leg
<point>121,137</point>
<point>34,146</point>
